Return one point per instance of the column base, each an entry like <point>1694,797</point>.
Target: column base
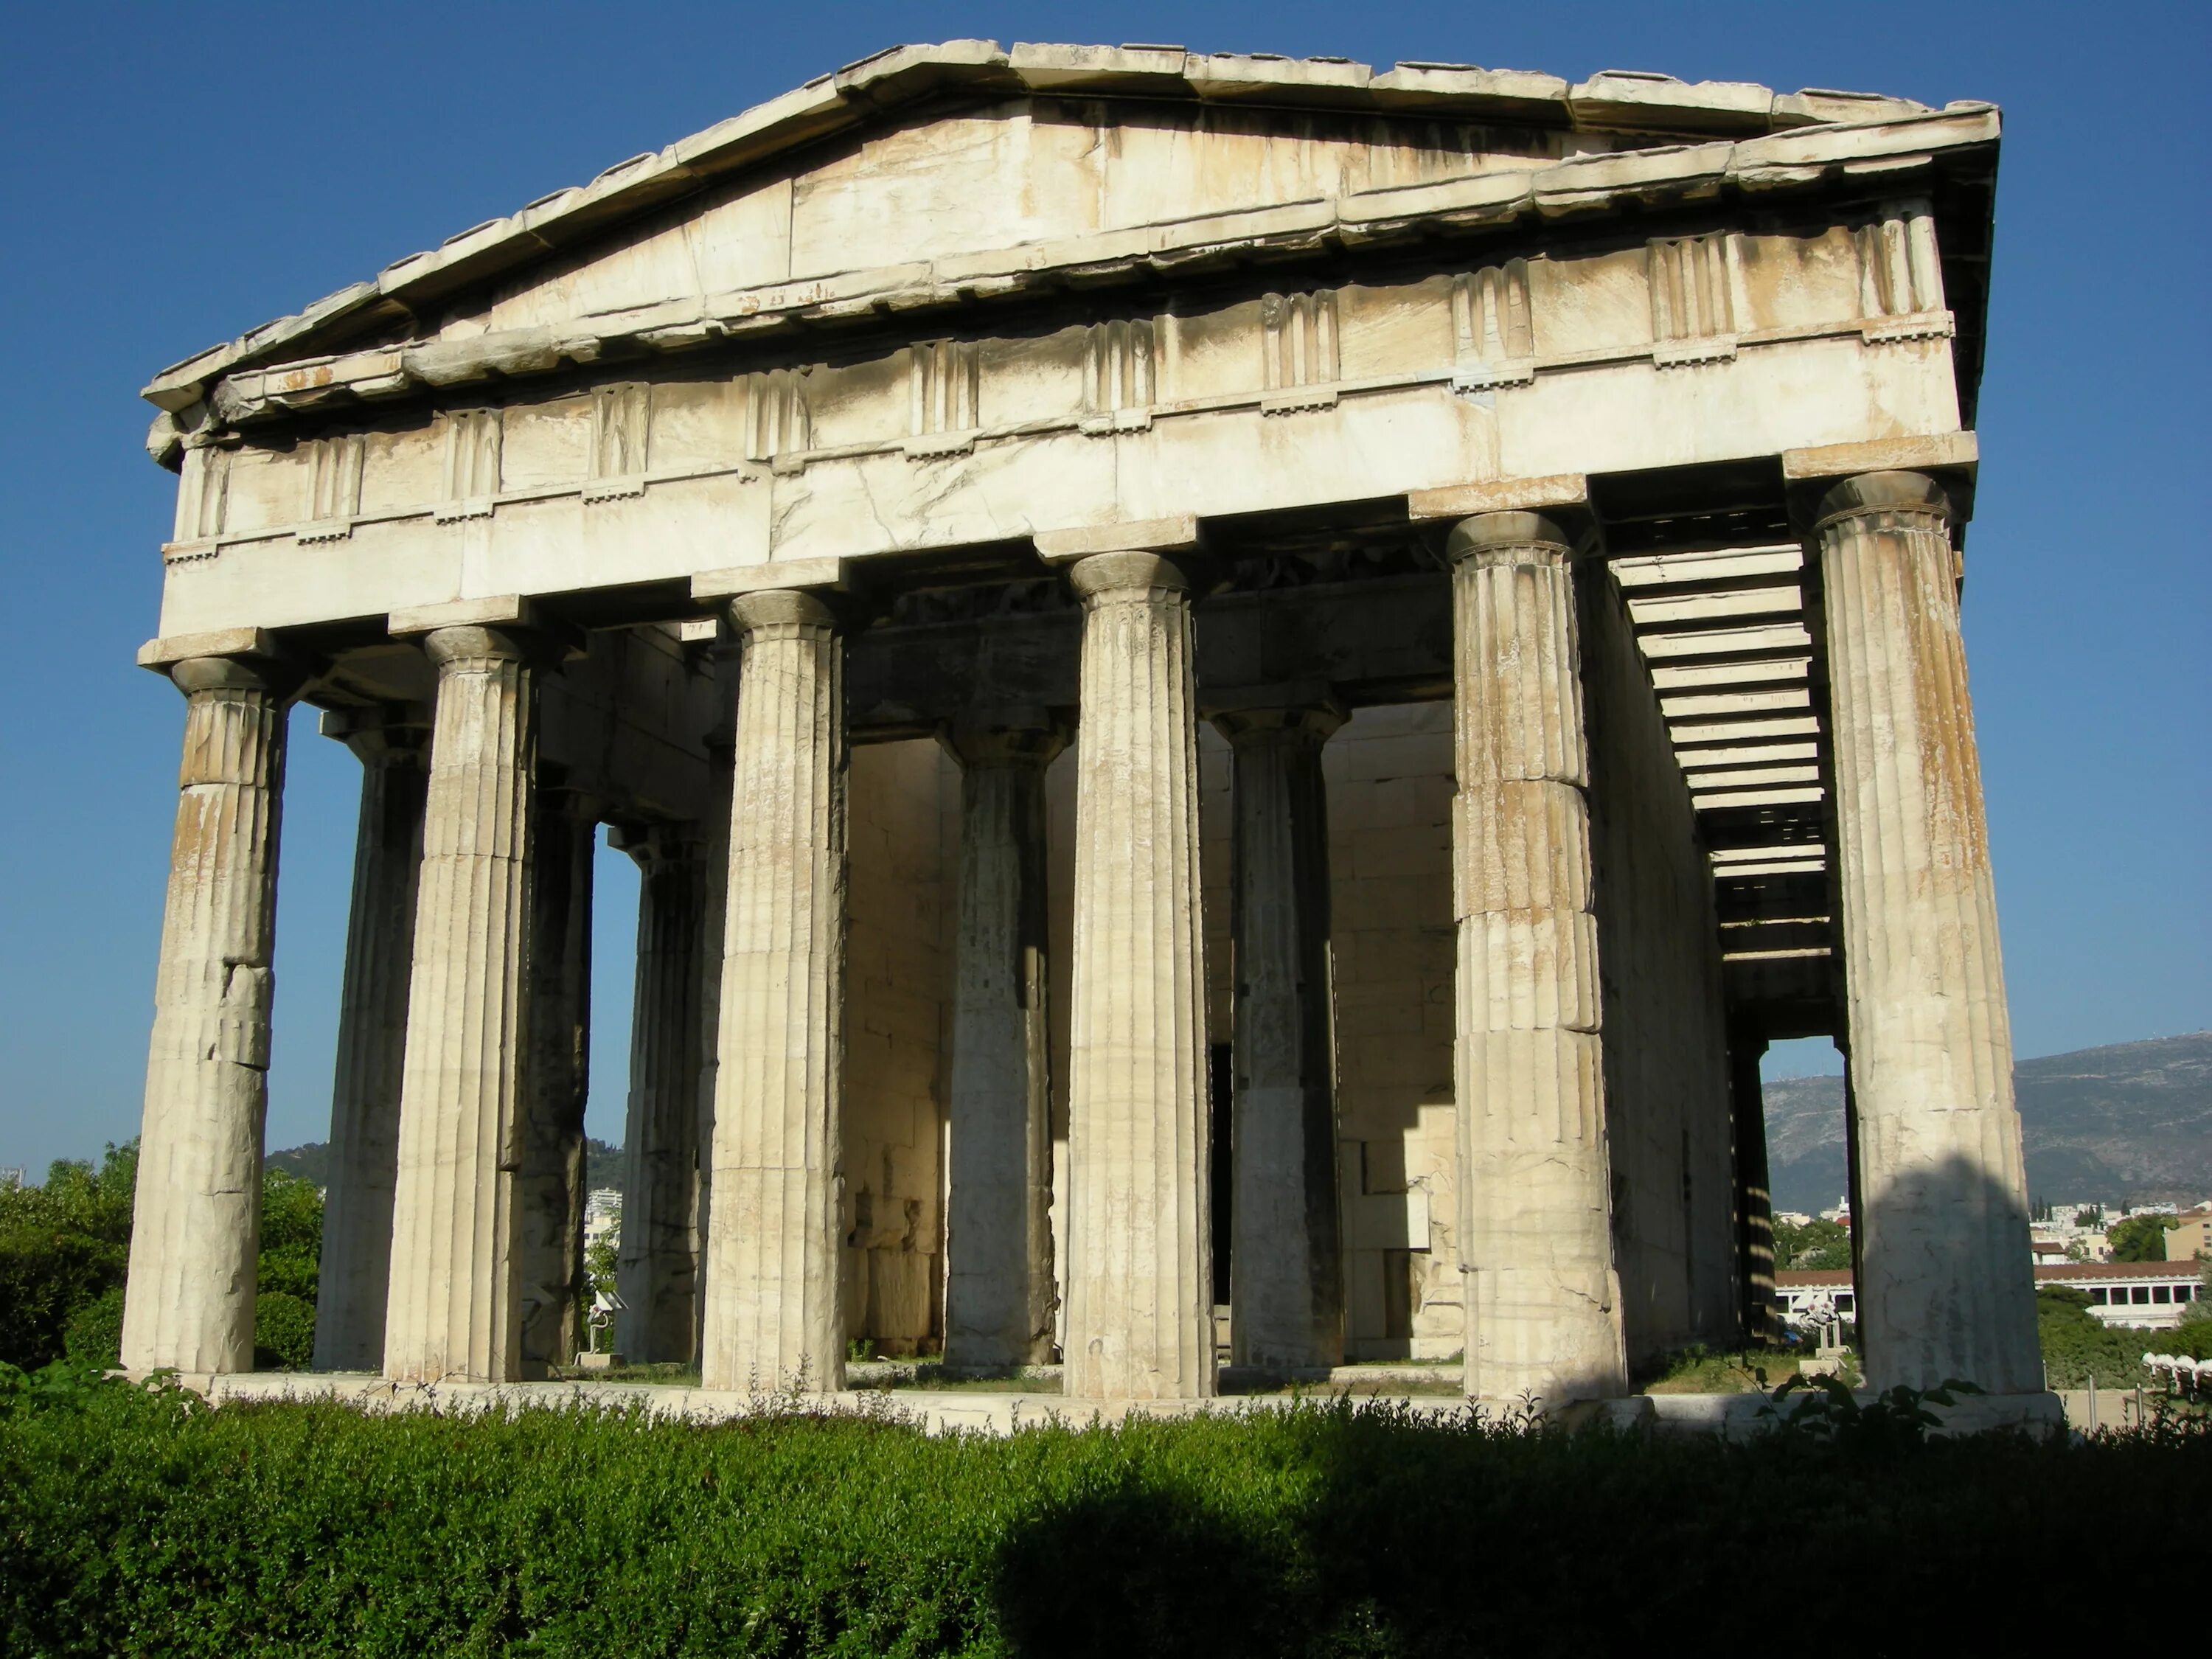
<point>2040,1414</point>
<point>1740,1416</point>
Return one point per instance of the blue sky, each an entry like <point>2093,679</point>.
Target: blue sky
<point>173,175</point>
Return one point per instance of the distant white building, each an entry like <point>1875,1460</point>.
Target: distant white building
<point>602,1215</point>
<point>2133,1295</point>
<point>2136,1295</point>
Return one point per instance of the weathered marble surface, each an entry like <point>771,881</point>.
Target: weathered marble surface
<point>1944,1289</point>
<point>196,1219</point>
<point>1140,1305</point>
<point>1110,385</point>
<point>454,1307</point>
<point>771,1318</point>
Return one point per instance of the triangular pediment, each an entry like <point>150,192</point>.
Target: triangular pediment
<point>961,171</point>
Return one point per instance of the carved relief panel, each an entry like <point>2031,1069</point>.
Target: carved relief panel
<point>620,423</point>
<point>1693,309</point>
<point>1493,335</point>
<point>1120,375</point>
<point>202,494</point>
<point>472,447</point>
<point>1900,275</point>
<point>944,391</point>
<point>1298,351</point>
<point>332,486</point>
<point>778,428</point>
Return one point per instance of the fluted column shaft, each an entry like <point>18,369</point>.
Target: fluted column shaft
<point>1139,1304</point>
<point>556,1076</point>
<point>372,1049</point>
<point>999,1294</point>
<point>772,1317</point>
<point>454,1308</point>
<point>196,1224</point>
<point>1285,1274</point>
<point>712,923</point>
<point>1543,1296</point>
<point>657,1269</point>
<point>1941,1221</point>
<point>1754,1199</point>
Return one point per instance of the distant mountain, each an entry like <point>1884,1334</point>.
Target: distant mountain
<point>603,1164</point>
<point>310,1163</point>
<point>2128,1124</point>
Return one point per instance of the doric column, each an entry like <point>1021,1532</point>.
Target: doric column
<point>712,922</point>
<point>454,1308</point>
<point>557,1075</point>
<point>356,1259</point>
<point>1754,1200</point>
<point>1139,1302</point>
<point>1543,1297</point>
<point>1940,1218</point>
<point>772,1318</point>
<point>1285,1276</point>
<point>657,1272</point>
<point>999,1294</point>
<point>196,1227</point>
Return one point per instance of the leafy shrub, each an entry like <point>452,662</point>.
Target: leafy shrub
<point>2193,1337</point>
<point>94,1336</point>
<point>139,1523</point>
<point>283,1331</point>
<point>2077,1346</point>
<point>1817,1244</point>
<point>45,1277</point>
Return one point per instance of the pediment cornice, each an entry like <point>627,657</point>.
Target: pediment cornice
<point>1733,140</point>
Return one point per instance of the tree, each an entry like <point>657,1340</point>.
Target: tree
<point>1816,1245</point>
<point>2140,1237</point>
<point>601,1257</point>
<point>289,1273</point>
<point>2199,1312</point>
<point>2077,1346</point>
<point>63,1246</point>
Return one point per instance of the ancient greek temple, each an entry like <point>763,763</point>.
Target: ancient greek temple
<point>1245,690</point>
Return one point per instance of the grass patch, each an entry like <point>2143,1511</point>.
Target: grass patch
<point>667,1375</point>
<point>1700,1370</point>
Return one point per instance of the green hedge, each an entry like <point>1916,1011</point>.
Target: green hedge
<point>132,1524</point>
<point>2077,1346</point>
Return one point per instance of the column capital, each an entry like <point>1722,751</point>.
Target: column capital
<point>227,660</point>
<point>1302,707</point>
<point>469,645</point>
<point>382,731</point>
<point>1875,493</point>
<point>1020,736</point>
<point>1134,574</point>
<point>1510,538</point>
<point>779,611</point>
<point>272,677</point>
<point>655,846</point>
